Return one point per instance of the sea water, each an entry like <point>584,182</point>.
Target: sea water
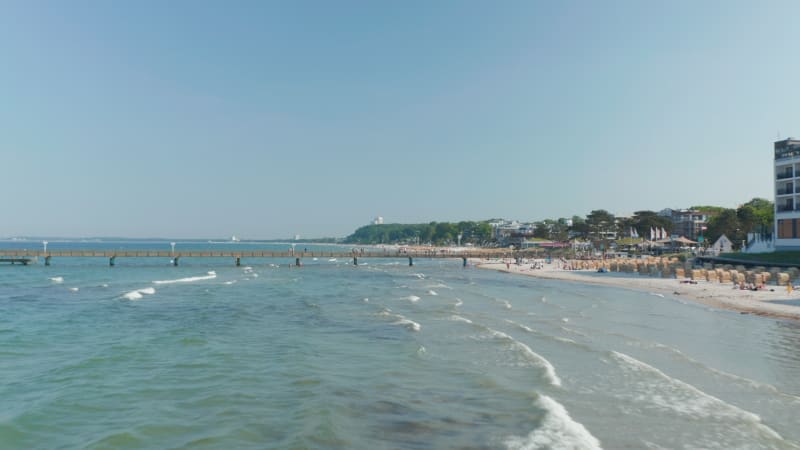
<point>376,356</point>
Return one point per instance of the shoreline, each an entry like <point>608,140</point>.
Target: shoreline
<point>709,293</point>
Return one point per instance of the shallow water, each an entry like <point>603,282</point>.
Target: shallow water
<point>209,355</point>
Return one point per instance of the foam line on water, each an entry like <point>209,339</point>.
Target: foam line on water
<point>458,318</point>
<point>57,279</point>
<point>535,358</point>
<point>672,394</point>
<point>740,379</point>
<point>400,320</point>
<point>557,430</point>
<point>211,275</point>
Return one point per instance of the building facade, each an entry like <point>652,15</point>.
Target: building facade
<point>689,223</point>
<point>787,194</point>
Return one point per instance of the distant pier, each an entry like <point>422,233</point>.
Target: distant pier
<point>29,256</point>
<point>17,260</point>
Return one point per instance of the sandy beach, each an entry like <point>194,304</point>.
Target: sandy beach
<point>774,301</point>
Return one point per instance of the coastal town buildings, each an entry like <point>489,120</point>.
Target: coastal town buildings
<point>689,223</point>
<point>787,194</point>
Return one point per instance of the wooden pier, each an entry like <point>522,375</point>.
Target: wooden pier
<point>23,261</point>
<point>29,256</point>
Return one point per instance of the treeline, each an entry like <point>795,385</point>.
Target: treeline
<point>757,215</point>
<point>437,233</point>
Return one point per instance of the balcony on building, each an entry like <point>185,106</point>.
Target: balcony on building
<point>787,148</point>
<point>786,189</point>
<point>785,206</point>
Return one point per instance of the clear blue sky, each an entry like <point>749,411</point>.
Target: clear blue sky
<point>267,119</point>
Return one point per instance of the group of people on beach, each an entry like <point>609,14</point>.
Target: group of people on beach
<point>752,286</point>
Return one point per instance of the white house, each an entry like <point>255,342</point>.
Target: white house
<point>722,245</point>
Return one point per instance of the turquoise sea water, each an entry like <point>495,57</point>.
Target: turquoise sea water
<point>379,356</point>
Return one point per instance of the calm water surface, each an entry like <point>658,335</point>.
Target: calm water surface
<point>379,356</point>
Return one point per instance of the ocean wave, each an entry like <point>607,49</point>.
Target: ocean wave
<point>211,275</point>
<point>400,320</point>
<point>458,318</point>
<point>458,303</point>
<point>137,294</point>
<point>752,384</point>
<point>412,298</point>
<point>506,304</point>
<point>663,392</point>
<point>557,430</point>
<point>530,356</point>
<point>74,289</point>
<point>432,292</point>
<point>57,279</point>
<point>408,323</point>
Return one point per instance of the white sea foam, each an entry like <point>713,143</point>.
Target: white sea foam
<point>530,356</point>
<point>314,259</point>
<point>211,275</point>
<point>556,431</point>
<point>657,294</point>
<point>524,327</point>
<point>458,303</point>
<point>57,279</point>
<point>743,380</point>
<point>458,318</point>
<point>412,298</point>
<point>229,282</point>
<point>332,260</point>
<point>365,300</point>
<point>400,320</point>
<point>74,289</point>
<point>410,324</point>
<point>133,295</point>
<point>663,392</point>
<point>421,276</point>
<point>137,294</point>
<point>432,292</point>
<point>247,269</point>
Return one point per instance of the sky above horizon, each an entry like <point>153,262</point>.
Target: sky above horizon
<point>268,119</point>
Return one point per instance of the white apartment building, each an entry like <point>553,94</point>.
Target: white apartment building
<point>787,194</point>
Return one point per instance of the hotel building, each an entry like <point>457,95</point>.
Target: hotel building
<point>787,194</point>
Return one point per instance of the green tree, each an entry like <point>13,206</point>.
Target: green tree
<point>727,223</point>
<point>600,221</point>
<point>645,220</point>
